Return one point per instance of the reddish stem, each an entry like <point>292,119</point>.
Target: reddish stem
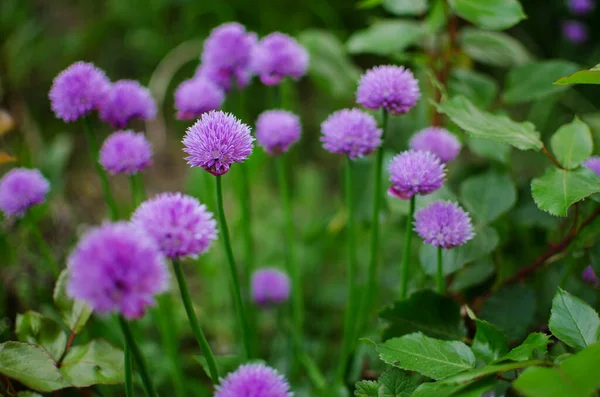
<point>551,157</point>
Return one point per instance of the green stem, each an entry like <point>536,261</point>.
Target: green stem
<point>45,248</point>
<point>137,356</point>
<point>128,372</point>
<point>239,305</point>
<point>441,287</point>
<point>170,341</point>
<point>406,255</point>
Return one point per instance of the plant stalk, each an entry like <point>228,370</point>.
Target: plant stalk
<point>137,356</point>
<point>406,256</point>
<point>441,285</point>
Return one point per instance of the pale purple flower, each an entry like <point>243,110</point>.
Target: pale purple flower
<point>437,141</point>
<point>352,132</point>
<point>197,96</point>
<point>593,163</point>
<point>589,276</point>
<point>127,100</point>
<point>216,141</point>
<point>222,79</point>
<point>581,7</point>
<point>277,130</point>
<point>117,268</point>
<point>277,56</point>
<point>574,31</point>
<point>254,380</point>
<point>393,88</point>
<point>415,172</point>
<point>21,188</point>
<point>179,224</point>
<point>443,224</point>
<point>78,90</point>
<point>270,286</point>
<point>125,152</point>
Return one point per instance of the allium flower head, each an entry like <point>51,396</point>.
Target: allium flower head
<point>277,56</point>
<point>254,380</point>
<point>393,88</point>
<point>443,224</point>
<point>270,286</point>
<point>197,96</point>
<point>437,141</point>
<point>416,172</point>
<point>581,7</point>
<point>117,268</point>
<point>277,130</point>
<point>593,163</point>
<point>352,132</point>
<point>21,188</point>
<point>125,152</point>
<point>223,80</point>
<point>589,276</point>
<point>179,224</point>
<point>127,100</point>
<point>216,141</point>
<point>575,32</point>
<point>78,90</point>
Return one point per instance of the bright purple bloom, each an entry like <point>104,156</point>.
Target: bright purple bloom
<point>78,90</point>
<point>126,152</point>
<point>126,100</point>
<point>117,267</point>
<point>277,130</point>
<point>197,96</point>
<point>593,163</point>
<point>270,286</point>
<point>575,31</point>
<point>21,188</point>
<point>581,7</point>
<point>443,224</point>
<point>437,141</point>
<point>589,277</point>
<point>415,172</point>
<point>216,141</point>
<point>179,224</point>
<point>254,380</point>
<point>393,88</point>
<point>352,132</point>
<point>277,56</point>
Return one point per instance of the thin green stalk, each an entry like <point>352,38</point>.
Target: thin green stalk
<point>170,341</point>
<point>128,372</point>
<point>239,304</point>
<point>406,256</point>
<point>45,248</point>
<point>137,356</point>
<point>441,287</point>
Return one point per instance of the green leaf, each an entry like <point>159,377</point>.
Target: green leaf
<point>36,329</point>
<point>395,383</point>
<point>535,342</point>
<point>443,389</point>
<point>573,321</point>
<point>385,37</point>
<point>572,143</point>
<point>481,124</point>
<point>28,394</point>
<point>75,314</point>
<point>431,357</point>
<point>490,14</point>
<point>483,372</point>
<point>405,7</point>
<point>366,388</point>
<point>490,149</point>
<point>225,364</point>
<point>96,362</point>
<point>424,311</point>
<point>489,195</point>
<point>366,4</point>
<point>32,366</point>
<point>489,343</point>
<point>511,309</point>
<point>557,189</point>
<point>591,76</point>
<point>479,87</point>
<point>472,275</point>
<point>493,48</point>
<point>533,81</point>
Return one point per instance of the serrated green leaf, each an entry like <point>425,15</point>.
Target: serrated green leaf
<point>490,14</point>
<point>366,388</point>
<point>512,310</point>
<point>533,81</point>
<point>493,48</point>
<point>591,76</point>
<point>573,321</point>
<point>489,343</point>
<point>33,328</point>
<point>96,362</point>
<point>396,383</point>
<point>480,88</point>
<point>75,314</point>
<point>526,350</point>
<point>405,7</point>
<point>572,143</point>
<point>489,195</point>
<point>386,37</point>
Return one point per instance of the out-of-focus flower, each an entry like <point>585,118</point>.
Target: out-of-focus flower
<point>270,287</point>
<point>21,188</point>
<point>277,56</point>
<point>437,141</point>
<point>393,88</point>
<point>575,31</point>
<point>416,172</point>
<point>589,276</point>
<point>581,7</point>
<point>593,163</point>
<point>127,100</point>
<point>216,141</point>
<point>126,152</point>
<point>254,380</point>
<point>117,268</point>
<point>6,122</point>
<point>277,130</point>
<point>352,132</point>
<point>443,224</point>
<point>197,96</point>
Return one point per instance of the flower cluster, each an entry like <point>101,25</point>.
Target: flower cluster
<point>277,56</point>
<point>197,96</point>
<point>127,100</point>
<point>277,130</point>
<point>443,224</point>
<point>270,286</point>
<point>126,152</point>
<point>437,141</point>
<point>21,188</point>
<point>415,172</point>
<point>393,88</point>
<point>255,380</point>
<point>351,132</point>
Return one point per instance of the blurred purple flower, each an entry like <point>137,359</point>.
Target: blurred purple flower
<point>127,100</point>
<point>443,224</point>
<point>21,188</point>
<point>117,267</point>
<point>277,130</point>
<point>437,141</point>
<point>581,7</point>
<point>575,31</point>
<point>393,88</point>
<point>254,380</point>
<point>352,132</point>
<point>589,277</point>
<point>277,56</point>
<point>125,152</point>
<point>216,141</point>
<point>415,172</point>
<point>593,163</point>
<point>197,96</point>
<point>78,90</point>
<point>223,79</point>
<point>270,286</point>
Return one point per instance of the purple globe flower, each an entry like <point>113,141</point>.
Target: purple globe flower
<point>415,172</point>
<point>277,130</point>
<point>216,141</point>
<point>117,268</point>
<point>593,163</point>
<point>575,32</point>
<point>277,56</point>
<point>589,277</point>
<point>78,90</point>
<point>270,287</point>
<point>254,380</point>
<point>125,152</point>
<point>352,132</point>
<point>581,7</point>
<point>127,100</point>
<point>393,88</point>
<point>222,79</point>
<point>179,224</point>
<point>443,224</point>
<point>197,96</point>
<point>437,141</point>
<point>21,188</point>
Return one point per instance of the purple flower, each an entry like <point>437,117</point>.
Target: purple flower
<point>125,152</point>
<point>21,188</point>
<point>277,130</point>
<point>437,141</point>
<point>254,380</point>
<point>117,267</point>
<point>589,277</point>
<point>216,141</point>
<point>277,56</point>
<point>581,7</point>
<point>197,96</point>
<point>179,224</point>
<point>443,224</point>
<point>270,286</point>
<point>415,172</point>
<point>127,100</point>
<point>78,90</point>
<point>352,132</point>
<point>574,31</point>
<point>393,88</point>
<point>223,79</point>
<point>593,163</point>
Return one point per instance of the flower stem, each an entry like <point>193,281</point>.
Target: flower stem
<point>441,287</point>
<point>44,247</point>
<point>406,255</point>
<point>170,341</point>
<point>128,372</point>
<point>235,283</point>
